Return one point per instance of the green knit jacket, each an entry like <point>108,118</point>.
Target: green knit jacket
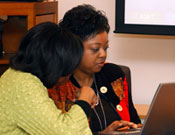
<point>26,109</point>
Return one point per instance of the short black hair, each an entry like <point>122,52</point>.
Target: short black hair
<point>48,52</point>
<point>85,21</point>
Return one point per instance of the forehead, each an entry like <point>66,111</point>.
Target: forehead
<point>100,38</point>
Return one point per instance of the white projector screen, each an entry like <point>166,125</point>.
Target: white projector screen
<point>156,12</point>
<point>155,17</point>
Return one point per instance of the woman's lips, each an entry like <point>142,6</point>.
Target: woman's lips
<point>101,64</point>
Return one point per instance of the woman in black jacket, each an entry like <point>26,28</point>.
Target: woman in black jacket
<point>106,79</point>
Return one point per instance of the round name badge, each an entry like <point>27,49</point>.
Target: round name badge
<point>103,89</point>
<point>119,107</point>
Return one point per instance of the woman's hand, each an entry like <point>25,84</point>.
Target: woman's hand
<point>87,94</point>
<point>139,125</point>
<point>121,125</point>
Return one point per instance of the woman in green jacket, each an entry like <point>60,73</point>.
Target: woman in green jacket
<point>47,55</point>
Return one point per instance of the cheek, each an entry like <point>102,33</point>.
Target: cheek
<point>89,64</point>
<point>89,56</point>
<point>88,60</point>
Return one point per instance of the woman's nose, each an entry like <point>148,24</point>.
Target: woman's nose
<point>103,53</point>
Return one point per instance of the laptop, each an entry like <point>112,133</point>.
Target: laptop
<point>160,119</point>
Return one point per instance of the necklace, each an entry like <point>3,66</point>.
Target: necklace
<point>101,106</point>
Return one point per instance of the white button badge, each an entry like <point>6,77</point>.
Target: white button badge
<point>103,89</point>
<point>119,107</point>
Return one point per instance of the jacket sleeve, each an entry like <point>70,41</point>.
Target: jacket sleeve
<point>34,112</point>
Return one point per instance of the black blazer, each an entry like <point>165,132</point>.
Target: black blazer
<point>109,73</point>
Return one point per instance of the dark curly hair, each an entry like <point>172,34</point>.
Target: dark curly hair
<point>85,21</point>
<point>48,52</point>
